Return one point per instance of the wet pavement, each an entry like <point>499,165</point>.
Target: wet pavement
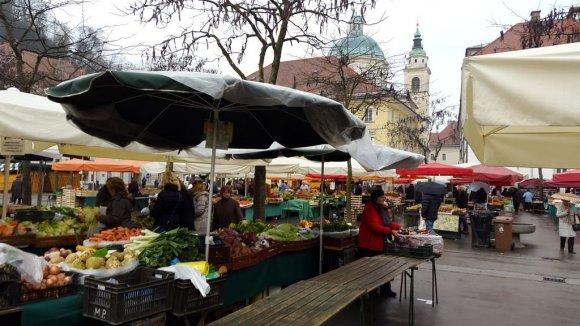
<point>537,285</point>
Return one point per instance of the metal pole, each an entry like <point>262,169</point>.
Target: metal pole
<point>211,176</point>
<point>40,188</point>
<point>6,176</point>
<point>321,215</point>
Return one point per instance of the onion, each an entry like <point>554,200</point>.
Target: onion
<point>54,270</point>
<point>53,249</point>
<point>68,280</point>
<point>45,272</point>
<point>60,276</point>
<point>49,283</point>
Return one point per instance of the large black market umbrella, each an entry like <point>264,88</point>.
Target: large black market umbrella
<point>168,111</point>
<point>431,188</point>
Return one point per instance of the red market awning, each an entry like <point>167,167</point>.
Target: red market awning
<point>437,169</point>
<point>471,180</point>
<point>496,174</point>
<point>403,181</point>
<point>568,176</point>
<point>535,183</point>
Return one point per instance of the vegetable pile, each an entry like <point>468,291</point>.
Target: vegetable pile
<point>95,259</point>
<point>159,251</point>
<point>53,278</point>
<point>116,234</point>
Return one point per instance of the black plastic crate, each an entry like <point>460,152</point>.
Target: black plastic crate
<point>138,294</point>
<point>9,286</point>
<point>219,254</point>
<point>424,251</point>
<point>188,300</point>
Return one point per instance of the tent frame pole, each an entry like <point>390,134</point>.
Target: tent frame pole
<point>6,176</point>
<point>321,253</point>
<point>211,181</point>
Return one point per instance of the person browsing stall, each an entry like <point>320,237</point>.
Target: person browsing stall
<point>227,210</point>
<point>374,228</point>
<point>119,208</point>
<point>201,201</point>
<point>173,207</point>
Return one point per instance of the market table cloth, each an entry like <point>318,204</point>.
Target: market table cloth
<point>302,206</point>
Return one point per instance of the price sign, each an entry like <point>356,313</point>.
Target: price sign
<point>12,146</point>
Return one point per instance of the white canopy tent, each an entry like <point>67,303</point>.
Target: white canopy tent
<point>520,108</point>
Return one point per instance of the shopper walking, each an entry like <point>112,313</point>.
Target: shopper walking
<point>527,197</point>
<point>567,217</point>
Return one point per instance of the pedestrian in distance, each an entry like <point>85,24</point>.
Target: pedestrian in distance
<point>566,217</point>
<point>527,197</point>
<point>462,201</point>
<point>16,190</point>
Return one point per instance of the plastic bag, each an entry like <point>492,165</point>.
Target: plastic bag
<point>28,265</point>
<point>185,272</point>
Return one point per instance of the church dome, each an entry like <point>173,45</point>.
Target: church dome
<point>356,44</point>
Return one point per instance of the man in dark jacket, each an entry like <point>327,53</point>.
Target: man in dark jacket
<point>429,209</point>
<point>16,190</point>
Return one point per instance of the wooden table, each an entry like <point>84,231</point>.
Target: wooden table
<point>303,303</point>
<point>315,301</point>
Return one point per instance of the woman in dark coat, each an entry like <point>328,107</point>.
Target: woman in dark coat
<point>173,208</point>
<point>374,228</point>
<point>119,208</point>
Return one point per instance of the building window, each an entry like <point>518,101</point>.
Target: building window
<point>415,84</point>
<point>444,157</point>
<point>369,116</point>
<point>432,157</point>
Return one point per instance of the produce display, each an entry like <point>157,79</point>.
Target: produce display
<point>412,238</point>
<point>53,278</point>
<point>10,227</point>
<point>246,226</point>
<point>55,228</point>
<point>115,234</point>
<point>239,246</point>
<point>446,209</point>
<point>97,259</point>
<point>56,256</point>
<point>177,244</point>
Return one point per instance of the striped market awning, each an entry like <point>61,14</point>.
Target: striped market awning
<point>13,166</point>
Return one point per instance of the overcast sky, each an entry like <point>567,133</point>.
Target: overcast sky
<point>447,27</point>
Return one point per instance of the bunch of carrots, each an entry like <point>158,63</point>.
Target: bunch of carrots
<point>116,234</point>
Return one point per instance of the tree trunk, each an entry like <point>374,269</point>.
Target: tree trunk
<point>40,189</point>
<point>26,184</point>
<point>260,193</point>
<point>348,207</point>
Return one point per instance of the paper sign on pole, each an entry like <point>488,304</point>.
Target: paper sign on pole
<point>12,146</point>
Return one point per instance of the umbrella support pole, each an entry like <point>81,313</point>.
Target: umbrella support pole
<point>211,181</point>
<point>6,176</point>
<point>321,254</point>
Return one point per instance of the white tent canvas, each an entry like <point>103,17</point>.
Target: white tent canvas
<point>520,108</point>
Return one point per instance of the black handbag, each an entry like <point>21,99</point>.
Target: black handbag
<point>576,224</point>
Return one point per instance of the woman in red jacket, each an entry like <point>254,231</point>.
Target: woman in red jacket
<point>375,226</point>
